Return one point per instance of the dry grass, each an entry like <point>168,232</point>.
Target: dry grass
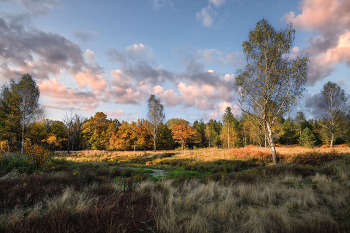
<point>64,203</point>
<point>262,207</point>
<point>205,155</point>
<point>87,197</point>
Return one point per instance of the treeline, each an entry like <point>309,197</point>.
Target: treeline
<point>19,127</point>
<point>100,133</point>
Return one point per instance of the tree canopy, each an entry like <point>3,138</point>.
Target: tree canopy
<point>271,82</point>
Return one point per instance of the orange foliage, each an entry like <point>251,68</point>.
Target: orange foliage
<point>183,133</point>
<point>37,154</point>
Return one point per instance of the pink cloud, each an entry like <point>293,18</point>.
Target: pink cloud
<point>331,19</point>
<point>321,15</point>
<point>168,97</point>
<point>67,97</point>
<point>91,75</point>
<point>219,110</point>
<point>115,114</point>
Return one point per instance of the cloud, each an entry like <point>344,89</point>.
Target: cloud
<point>217,3</point>
<point>84,35</point>
<point>91,75</point>
<point>131,54</point>
<point>331,19</point>
<point>90,55</point>
<point>115,114</point>
<point>139,52</point>
<point>311,106</point>
<point>25,48</point>
<point>65,97</point>
<point>206,16</point>
<point>157,4</point>
<point>168,97</point>
<point>219,110</point>
<point>236,59</point>
<point>38,6</point>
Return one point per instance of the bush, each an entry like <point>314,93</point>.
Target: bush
<point>16,162</point>
<point>313,158</point>
<point>38,155</point>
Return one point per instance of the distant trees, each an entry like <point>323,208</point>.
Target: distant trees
<point>333,103</point>
<point>271,82</point>
<point>155,117</point>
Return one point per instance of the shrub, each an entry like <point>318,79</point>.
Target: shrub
<point>313,158</point>
<point>16,162</point>
<point>38,155</point>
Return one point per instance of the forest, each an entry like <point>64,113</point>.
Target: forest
<point>102,133</point>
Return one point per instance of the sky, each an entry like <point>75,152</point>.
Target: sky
<point>110,56</point>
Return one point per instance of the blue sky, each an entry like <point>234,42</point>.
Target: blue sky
<point>89,57</point>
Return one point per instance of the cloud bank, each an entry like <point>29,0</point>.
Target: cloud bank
<point>331,20</point>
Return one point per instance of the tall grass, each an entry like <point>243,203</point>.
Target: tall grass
<point>282,205</point>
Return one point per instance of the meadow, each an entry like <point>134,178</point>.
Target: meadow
<point>203,190</point>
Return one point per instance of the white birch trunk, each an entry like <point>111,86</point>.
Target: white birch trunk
<point>272,144</point>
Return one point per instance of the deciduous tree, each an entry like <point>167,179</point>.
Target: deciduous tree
<point>155,117</point>
<point>271,82</point>
<point>333,104</point>
<point>183,133</point>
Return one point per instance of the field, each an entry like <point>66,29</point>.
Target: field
<point>204,190</point>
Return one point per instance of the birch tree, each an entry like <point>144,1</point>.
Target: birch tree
<point>271,82</point>
<point>28,105</point>
<point>155,117</point>
<point>333,103</point>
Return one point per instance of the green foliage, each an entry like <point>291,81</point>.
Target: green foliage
<point>95,131</point>
<point>271,82</point>
<point>17,162</point>
<point>307,138</point>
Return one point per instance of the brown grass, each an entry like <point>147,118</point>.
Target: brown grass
<point>39,203</point>
<point>205,155</point>
<point>278,206</point>
<point>288,197</point>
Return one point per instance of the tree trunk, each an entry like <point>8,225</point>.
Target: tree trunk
<point>332,140</point>
<point>272,144</point>
<point>22,146</point>
<point>154,144</point>
<point>68,143</point>
<point>228,138</point>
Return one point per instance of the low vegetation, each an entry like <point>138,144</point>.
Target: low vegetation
<point>217,190</point>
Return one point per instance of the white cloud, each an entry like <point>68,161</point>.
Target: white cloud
<point>206,16</point>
